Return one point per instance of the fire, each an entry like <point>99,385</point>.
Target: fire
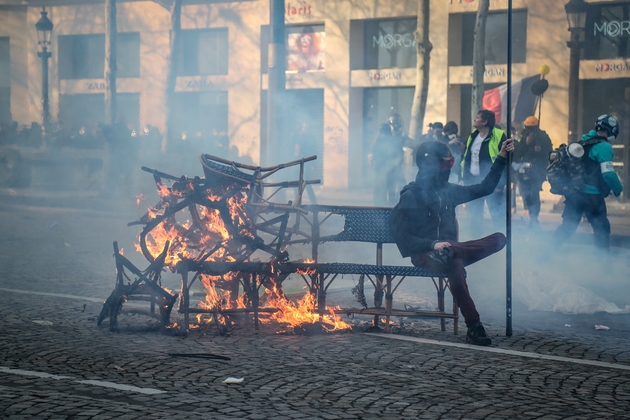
<point>163,190</point>
<point>216,298</point>
<point>157,238</point>
<point>217,230</point>
<point>308,270</point>
<point>302,312</point>
<point>190,240</point>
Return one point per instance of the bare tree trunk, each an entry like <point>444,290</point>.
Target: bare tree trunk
<point>479,59</point>
<point>423,61</point>
<point>171,78</point>
<point>111,68</point>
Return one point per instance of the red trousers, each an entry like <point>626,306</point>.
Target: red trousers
<point>463,254</point>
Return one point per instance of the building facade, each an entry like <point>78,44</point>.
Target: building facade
<point>349,65</point>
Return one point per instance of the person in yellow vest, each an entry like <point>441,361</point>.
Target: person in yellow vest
<point>482,148</point>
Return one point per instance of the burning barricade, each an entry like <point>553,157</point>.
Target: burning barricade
<point>225,232</point>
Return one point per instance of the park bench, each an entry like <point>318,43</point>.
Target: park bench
<point>370,225</point>
<point>361,224</point>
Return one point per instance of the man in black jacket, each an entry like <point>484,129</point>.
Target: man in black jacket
<point>530,161</point>
<point>424,227</point>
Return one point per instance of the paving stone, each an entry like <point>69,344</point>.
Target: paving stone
<point>320,377</point>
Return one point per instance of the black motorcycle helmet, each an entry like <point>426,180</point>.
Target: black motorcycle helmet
<point>608,123</point>
<point>434,161</point>
<point>434,156</point>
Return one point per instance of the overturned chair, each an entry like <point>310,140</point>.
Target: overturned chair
<point>146,287</point>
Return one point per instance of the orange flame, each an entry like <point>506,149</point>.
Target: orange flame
<point>302,312</point>
<point>212,230</point>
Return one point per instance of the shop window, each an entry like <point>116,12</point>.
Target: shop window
<point>496,39</point>
<point>5,80</point>
<point>306,47</point>
<point>203,52</point>
<point>83,56</point>
<point>88,110</point>
<point>201,122</point>
<point>389,43</point>
<point>608,32</point>
<point>264,48</point>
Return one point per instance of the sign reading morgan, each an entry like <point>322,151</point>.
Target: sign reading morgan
<point>390,41</point>
<point>385,75</point>
<point>612,67</point>
<point>612,29</point>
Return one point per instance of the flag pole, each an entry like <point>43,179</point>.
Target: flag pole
<point>508,190</point>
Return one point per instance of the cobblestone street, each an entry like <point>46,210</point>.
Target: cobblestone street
<point>56,363</point>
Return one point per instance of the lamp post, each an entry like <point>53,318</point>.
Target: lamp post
<point>44,32</point>
<point>276,81</point>
<point>576,16</point>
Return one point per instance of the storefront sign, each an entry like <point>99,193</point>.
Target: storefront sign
<point>612,29</point>
<point>199,83</point>
<point>196,84</point>
<point>98,86</point>
<point>390,41</point>
<point>612,67</point>
<point>604,69</point>
<point>386,75</point>
<point>491,72</point>
<point>300,9</point>
<point>291,78</point>
<point>493,3</point>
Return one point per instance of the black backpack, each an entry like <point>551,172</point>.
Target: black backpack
<point>565,171</point>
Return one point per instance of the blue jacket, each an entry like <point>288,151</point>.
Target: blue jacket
<point>601,155</point>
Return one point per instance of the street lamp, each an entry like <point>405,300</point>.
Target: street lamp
<point>44,32</point>
<point>576,17</point>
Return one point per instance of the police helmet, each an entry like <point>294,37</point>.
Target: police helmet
<point>608,123</point>
<point>396,122</point>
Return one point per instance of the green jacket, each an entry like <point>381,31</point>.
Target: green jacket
<point>602,156</point>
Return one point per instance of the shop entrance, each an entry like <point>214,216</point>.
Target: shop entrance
<point>200,123</point>
<point>303,126</point>
<point>378,105</point>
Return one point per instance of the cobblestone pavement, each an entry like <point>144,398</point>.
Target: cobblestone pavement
<point>56,267</point>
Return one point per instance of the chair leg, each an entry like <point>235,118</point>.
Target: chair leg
<point>456,319</point>
<point>185,299</point>
<point>388,302</point>
<point>441,302</point>
<point>378,297</point>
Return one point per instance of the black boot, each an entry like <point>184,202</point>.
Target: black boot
<point>477,335</point>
